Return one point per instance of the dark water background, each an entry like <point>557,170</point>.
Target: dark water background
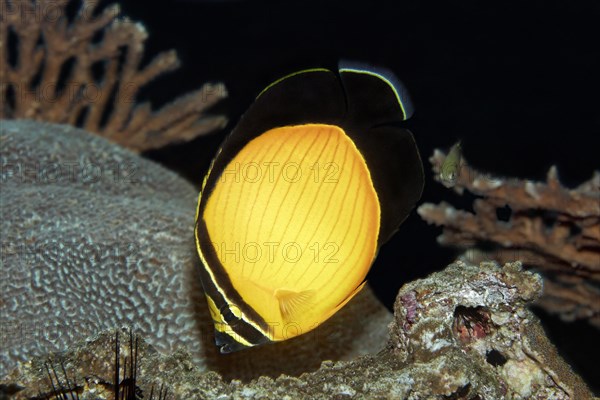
<point>517,81</point>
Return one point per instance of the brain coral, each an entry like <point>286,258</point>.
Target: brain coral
<point>95,237</point>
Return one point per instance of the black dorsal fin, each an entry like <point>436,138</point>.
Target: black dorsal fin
<point>374,95</point>
<point>308,96</point>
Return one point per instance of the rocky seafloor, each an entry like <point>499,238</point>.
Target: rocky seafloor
<point>95,238</point>
<point>463,333</point>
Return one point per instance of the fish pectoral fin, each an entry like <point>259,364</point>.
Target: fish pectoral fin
<point>293,303</point>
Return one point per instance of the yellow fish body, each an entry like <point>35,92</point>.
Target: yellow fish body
<point>315,177</point>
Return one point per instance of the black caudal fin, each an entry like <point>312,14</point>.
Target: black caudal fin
<point>396,170</point>
<point>374,95</point>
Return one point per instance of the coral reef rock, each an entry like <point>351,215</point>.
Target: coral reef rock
<point>85,71</point>
<point>548,227</point>
<point>95,237</point>
<point>470,325</point>
<point>463,333</point>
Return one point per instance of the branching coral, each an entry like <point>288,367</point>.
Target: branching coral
<point>87,73</point>
<point>549,227</point>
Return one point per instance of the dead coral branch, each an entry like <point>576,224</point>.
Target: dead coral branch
<point>86,72</point>
<point>550,228</point>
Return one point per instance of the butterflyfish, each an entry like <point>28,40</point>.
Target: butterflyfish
<point>315,177</point>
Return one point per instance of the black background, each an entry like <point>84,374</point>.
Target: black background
<point>516,81</point>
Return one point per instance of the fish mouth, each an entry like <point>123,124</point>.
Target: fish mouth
<point>226,343</point>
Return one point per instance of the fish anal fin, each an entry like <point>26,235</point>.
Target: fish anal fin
<point>345,301</point>
<point>292,303</point>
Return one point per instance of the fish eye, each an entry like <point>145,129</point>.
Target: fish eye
<point>228,316</point>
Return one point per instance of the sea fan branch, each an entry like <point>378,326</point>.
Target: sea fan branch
<point>53,78</point>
